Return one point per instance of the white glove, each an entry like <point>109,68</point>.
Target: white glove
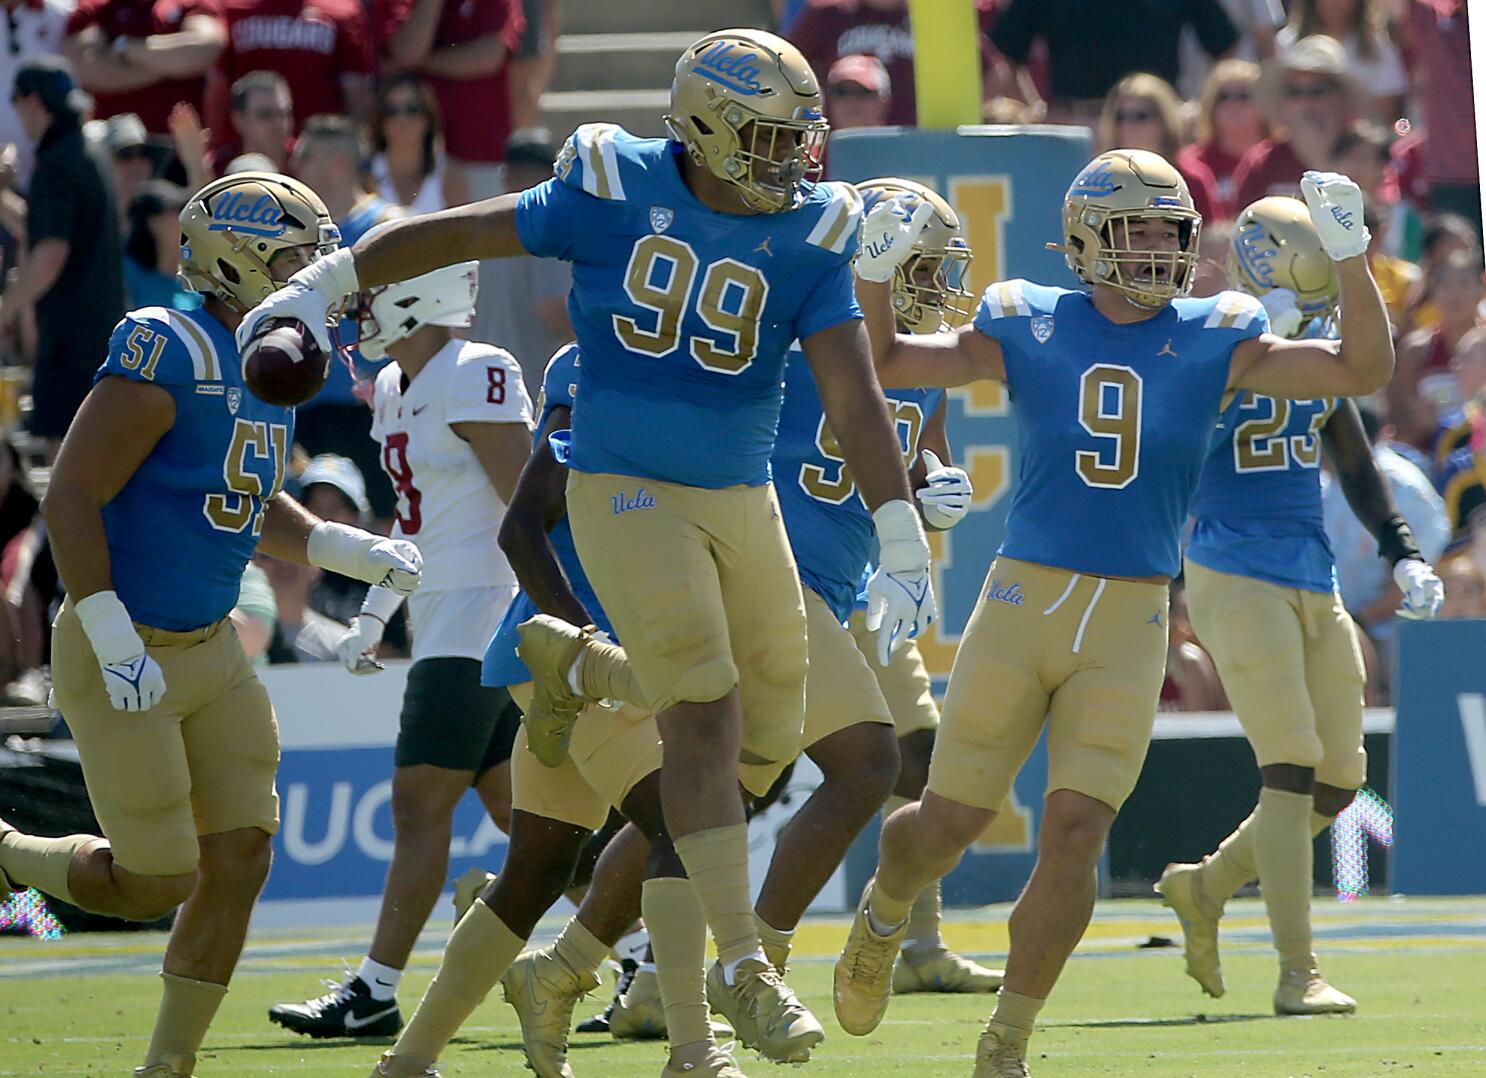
<point>1335,202</point>
<point>946,499</point>
<point>888,235</point>
<point>306,297</point>
<point>1284,315</point>
<point>393,563</point>
<point>357,649</point>
<point>900,597</point>
<point>1423,590</point>
<point>134,681</point>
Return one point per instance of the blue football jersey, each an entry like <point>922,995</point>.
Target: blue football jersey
<point>830,529</point>
<point>1258,504</point>
<point>183,528</point>
<point>1113,421</point>
<point>502,666</point>
<point>685,315</point>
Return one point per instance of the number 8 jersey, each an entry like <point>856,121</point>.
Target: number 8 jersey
<point>445,503</point>
<point>685,315</point>
<point>183,527</point>
<point>1114,421</point>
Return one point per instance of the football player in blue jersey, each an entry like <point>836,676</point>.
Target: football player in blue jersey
<point>1261,587</point>
<point>167,482</point>
<point>697,261</point>
<point>1116,391</point>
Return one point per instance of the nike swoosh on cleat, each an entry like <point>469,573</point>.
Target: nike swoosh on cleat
<point>352,1022</point>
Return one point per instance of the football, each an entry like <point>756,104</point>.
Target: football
<point>283,364</point>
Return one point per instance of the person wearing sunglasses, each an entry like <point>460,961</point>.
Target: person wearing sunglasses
<point>1310,96</point>
<point>262,122</point>
<point>1142,112</point>
<point>1229,124</point>
<point>409,166</point>
<point>1361,26</point>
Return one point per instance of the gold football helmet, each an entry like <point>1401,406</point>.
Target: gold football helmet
<point>1113,190</point>
<point>1275,245</point>
<point>929,292</point>
<point>233,227</point>
<point>746,106</point>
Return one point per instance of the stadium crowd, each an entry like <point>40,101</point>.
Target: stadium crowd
<point>119,108</point>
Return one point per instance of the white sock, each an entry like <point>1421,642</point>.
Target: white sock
<point>730,971</point>
<point>647,967</point>
<point>382,980</point>
<point>878,928</point>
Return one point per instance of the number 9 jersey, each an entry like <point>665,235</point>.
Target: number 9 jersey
<point>183,528</point>
<point>1113,421</point>
<point>685,315</point>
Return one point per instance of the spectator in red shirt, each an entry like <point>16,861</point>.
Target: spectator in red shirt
<point>1229,124</point>
<point>1311,98</point>
<point>263,120</point>
<point>463,49</point>
<point>1437,35</point>
<point>859,92</point>
<point>321,48</point>
<point>1142,112</point>
<point>830,29</point>
<point>144,57</point>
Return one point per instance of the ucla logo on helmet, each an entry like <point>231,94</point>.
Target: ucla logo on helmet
<point>259,217</point>
<point>1096,180</point>
<point>1042,328</point>
<point>1255,252</point>
<point>734,68</point>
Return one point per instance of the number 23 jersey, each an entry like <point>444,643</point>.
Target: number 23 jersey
<point>445,503</point>
<point>685,315</point>
<point>182,529</point>
<point>1113,421</point>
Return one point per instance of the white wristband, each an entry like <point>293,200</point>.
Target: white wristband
<point>381,603</point>
<point>108,627</point>
<point>338,547</point>
<point>333,276</point>
<point>900,534</point>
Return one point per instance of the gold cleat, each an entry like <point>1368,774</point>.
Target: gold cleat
<point>999,1055</point>
<point>941,970</point>
<point>1180,888</point>
<point>864,972</point>
<point>171,1065</point>
<point>549,646</point>
<point>1305,991</point>
<point>638,1014</point>
<point>6,886</point>
<point>543,989</point>
<point>467,890</point>
<point>701,1060</point>
<point>391,1066</point>
<point>764,1012</point>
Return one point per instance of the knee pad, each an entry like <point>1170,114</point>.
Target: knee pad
<point>707,681</point>
<point>1299,747</point>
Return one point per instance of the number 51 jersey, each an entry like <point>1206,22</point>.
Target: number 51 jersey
<point>445,503</point>
<point>685,315</point>
<point>182,529</point>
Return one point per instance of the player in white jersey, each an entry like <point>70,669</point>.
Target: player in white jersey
<point>454,422</point>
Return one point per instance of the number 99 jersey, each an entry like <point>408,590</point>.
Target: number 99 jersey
<point>685,315</point>
<point>183,528</point>
<point>830,530</point>
<point>1113,421</point>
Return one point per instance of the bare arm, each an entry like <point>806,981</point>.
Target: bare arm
<point>286,530</point>
<point>935,436</point>
<point>876,301</point>
<point>1362,482</point>
<point>13,215</point>
<point>942,360</point>
<point>841,360</point>
<point>472,59</point>
<point>117,426</point>
<point>540,500</point>
<point>98,69</point>
<point>42,267</point>
<point>1358,364</point>
<point>190,51</point>
<point>416,245</point>
<point>501,449</point>
<point>413,40</point>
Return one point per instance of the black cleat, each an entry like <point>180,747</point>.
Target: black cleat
<point>599,1023</point>
<point>347,1010</point>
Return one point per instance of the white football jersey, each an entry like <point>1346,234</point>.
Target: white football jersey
<point>445,503</point>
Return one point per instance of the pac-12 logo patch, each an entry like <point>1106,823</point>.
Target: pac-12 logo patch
<point>661,218</point>
<point>234,399</point>
<point>1042,328</point>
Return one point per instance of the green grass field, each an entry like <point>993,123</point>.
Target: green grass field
<point>84,1005</point>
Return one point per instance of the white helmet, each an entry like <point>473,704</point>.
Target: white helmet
<point>386,315</point>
